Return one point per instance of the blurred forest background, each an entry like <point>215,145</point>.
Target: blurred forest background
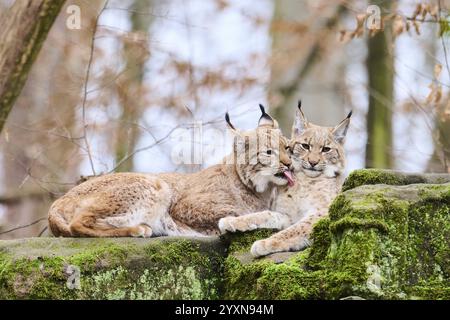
<point>112,95</point>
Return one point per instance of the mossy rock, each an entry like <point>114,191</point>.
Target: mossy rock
<point>390,177</point>
<point>64,268</point>
<point>379,242</point>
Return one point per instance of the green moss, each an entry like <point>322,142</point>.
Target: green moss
<point>355,223</point>
<point>321,238</point>
<point>151,284</point>
<point>241,242</point>
<point>381,242</point>
<point>371,176</point>
<point>379,176</point>
<point>115,269</point>
<point>240,279</point>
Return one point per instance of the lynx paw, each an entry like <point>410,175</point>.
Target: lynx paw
<point>226,225</point>
<point>142,231</point>
<point>233,224</point>
<point>265,247</point>
<point>261,248</point>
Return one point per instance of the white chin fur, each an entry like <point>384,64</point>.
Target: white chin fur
<point>261,182</point>
<point>312,173</point>
<point>279,181</point>
<point>331,171</point>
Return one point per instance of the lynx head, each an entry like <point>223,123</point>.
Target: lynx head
<point>261,156</point>
<point>317,150</point>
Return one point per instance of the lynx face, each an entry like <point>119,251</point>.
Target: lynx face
<point>318,150</point>
<point>261,156</point>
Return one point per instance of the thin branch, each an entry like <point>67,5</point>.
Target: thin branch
<point>143,149</point>
<point>311,58</point>
<point>17,198</point>
<point>443,44</point>
<point>23,227</point>
<point>86,82</point>
<point>42,232</point>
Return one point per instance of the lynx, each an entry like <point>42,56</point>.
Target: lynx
<point>146,205</point>
<point>318,159</point>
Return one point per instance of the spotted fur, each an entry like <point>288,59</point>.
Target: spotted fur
<point>319,161</point>
<point>146,205</point>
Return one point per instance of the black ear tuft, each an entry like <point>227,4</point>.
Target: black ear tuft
<point>299,104</point>
<point>350,114</point>
<point>266,119</point>
<point>263,110</point>
<point>227,119</point>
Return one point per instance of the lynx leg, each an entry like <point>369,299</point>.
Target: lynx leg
<point>85,225</point>
<point>258,220</point>
<point>294,238</point>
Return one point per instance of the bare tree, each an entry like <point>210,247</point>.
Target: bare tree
<point>380,69</point>
<point>304,66</point>
<point>130,85</point>
<point>25,26</point>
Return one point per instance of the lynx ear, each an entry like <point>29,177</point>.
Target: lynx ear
<point>266,119</point>
<point>300,122</point>
<point>340,131</point>
<point>230,125</point>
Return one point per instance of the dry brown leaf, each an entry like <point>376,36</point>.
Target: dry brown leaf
<point>425,10</point>
<point>434,11</point>
<point>435,95</point>
<point>398,25</point>
<point>437,70</point>
<point>345,36</point>
<point>417,11</point>
<point>416,25</point>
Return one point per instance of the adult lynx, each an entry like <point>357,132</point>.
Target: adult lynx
<point>319,161</point>
<point>145,205</point>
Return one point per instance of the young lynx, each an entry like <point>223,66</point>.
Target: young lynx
<point>145,205</point>
<point>319,161</point>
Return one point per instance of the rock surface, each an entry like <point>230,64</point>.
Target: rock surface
<point>385,238</point>
<point>123,268</point>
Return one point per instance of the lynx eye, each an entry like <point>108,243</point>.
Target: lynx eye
<point>326,149</point>
<point>269,152</point>
<point>305,146</point>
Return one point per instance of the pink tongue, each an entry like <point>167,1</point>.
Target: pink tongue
<point>289,177</point>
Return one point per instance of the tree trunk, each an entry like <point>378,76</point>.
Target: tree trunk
<point>440,160</point>
<point>54,87</point>
<point>380,69</point>
<point>301,67</point>
<point>25,26</point>
<point>130,88</point>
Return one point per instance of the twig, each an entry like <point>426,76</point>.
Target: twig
<point>23,227</point>
<point>443,43</point>
<point>42,232</point>
<point>86,82</point>
<point>14,199</point>
<point>143,149</point>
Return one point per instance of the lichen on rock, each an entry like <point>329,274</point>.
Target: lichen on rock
<point>379,242</point>
<point>57,268</point>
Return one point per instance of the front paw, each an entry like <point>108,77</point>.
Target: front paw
<point>226,225</point>
<point>268,246</point>
<point>142,231</point>
<point>261,248</point>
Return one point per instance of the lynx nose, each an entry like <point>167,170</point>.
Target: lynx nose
<point>313,163</point>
